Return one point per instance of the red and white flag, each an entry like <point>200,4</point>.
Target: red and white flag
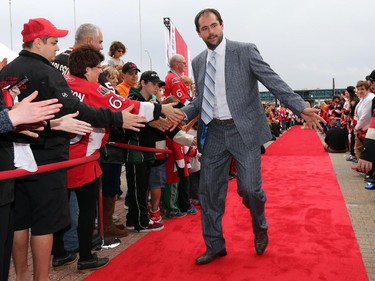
<point>175,44</point>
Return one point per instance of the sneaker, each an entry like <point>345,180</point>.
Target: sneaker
<point>155,216</point>
<point>152,226</point>
<point>92,264</point>
<point>129,226</point>
<point>59,263</point>
<point>192,211</point>
<point>176,214</point>
<point>350,158</point>
<point>369,178</point>
<point>370,186</point>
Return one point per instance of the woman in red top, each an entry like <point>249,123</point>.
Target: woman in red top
<point>84,65</point>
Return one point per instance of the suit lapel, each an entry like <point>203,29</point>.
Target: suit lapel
<point>230,62</point>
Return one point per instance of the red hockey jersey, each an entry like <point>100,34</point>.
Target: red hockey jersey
<point>179,159</point>
<point>175,86</point>
<point>96,95</point>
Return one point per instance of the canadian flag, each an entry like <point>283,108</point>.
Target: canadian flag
<point>175,44</point>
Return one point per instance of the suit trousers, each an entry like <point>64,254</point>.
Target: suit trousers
<point>223,142</point>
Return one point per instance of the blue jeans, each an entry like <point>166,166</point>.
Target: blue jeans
<point>71,236</point>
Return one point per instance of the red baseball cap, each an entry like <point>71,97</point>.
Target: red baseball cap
<point>40,27</point>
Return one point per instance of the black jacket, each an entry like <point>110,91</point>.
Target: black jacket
<point>145,137</point>
<point>52,146</point>
<point>6,163</point>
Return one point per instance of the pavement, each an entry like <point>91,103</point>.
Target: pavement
<point>360,204</point>
<point>359,201</point>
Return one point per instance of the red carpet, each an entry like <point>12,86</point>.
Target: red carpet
<point>311,236</point>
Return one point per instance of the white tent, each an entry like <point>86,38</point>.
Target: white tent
<point>5,52</point>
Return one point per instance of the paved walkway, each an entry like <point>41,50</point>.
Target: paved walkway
<point>359,201</point>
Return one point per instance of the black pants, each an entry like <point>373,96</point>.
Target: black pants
<point>6,239</point>
<point>183,201</point>
<point>87,196</point>
<point>137,177</point>
<point>352,141</point>
<point>194,184</point>
<point>111,180</point>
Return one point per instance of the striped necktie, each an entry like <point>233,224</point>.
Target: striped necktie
<point>209,91</point>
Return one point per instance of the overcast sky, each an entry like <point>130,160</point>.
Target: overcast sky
<point>307,42</point>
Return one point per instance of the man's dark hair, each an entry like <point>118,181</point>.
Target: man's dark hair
<point>82,57</point>
<point>28,45</point>
<point>207,11</point>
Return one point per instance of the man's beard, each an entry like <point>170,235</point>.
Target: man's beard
<point>213,46</point>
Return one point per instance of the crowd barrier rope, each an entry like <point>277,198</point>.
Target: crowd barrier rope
<point>11,174</point>
<point>141,148</point>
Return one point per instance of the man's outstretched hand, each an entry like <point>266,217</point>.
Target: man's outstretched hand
<point>312,118</point>
<point>132,121</point>
<point>174,115</point>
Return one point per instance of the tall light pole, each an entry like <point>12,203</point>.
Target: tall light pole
<point>140,34</point>
<point>149,57</point>
<point>10,24</point>
<point>74,13</point>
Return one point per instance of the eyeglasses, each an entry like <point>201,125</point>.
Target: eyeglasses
<point>120,51</point>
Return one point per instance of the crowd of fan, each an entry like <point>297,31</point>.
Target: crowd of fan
<point>159,185</point>
<point>348,119</point>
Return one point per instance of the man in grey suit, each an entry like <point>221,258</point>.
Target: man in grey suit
<point>236,127</point>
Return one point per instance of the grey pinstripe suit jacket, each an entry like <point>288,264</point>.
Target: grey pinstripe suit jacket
<point>244,67</point>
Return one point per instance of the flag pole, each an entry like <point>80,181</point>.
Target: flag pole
<point>74,13</point>
<point>140,35</point>
<point>10,25</point>
<point>149,57</point>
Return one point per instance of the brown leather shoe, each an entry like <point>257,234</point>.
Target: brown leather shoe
<point>113,231</point>
<point>209,257</point>
<point>261,242</point>
<point>120,226</point>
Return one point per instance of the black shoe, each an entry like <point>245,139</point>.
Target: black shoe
<point>92,264</point>
<point>208,257</point>
<point>261,242</point>
<point>59,263</point>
